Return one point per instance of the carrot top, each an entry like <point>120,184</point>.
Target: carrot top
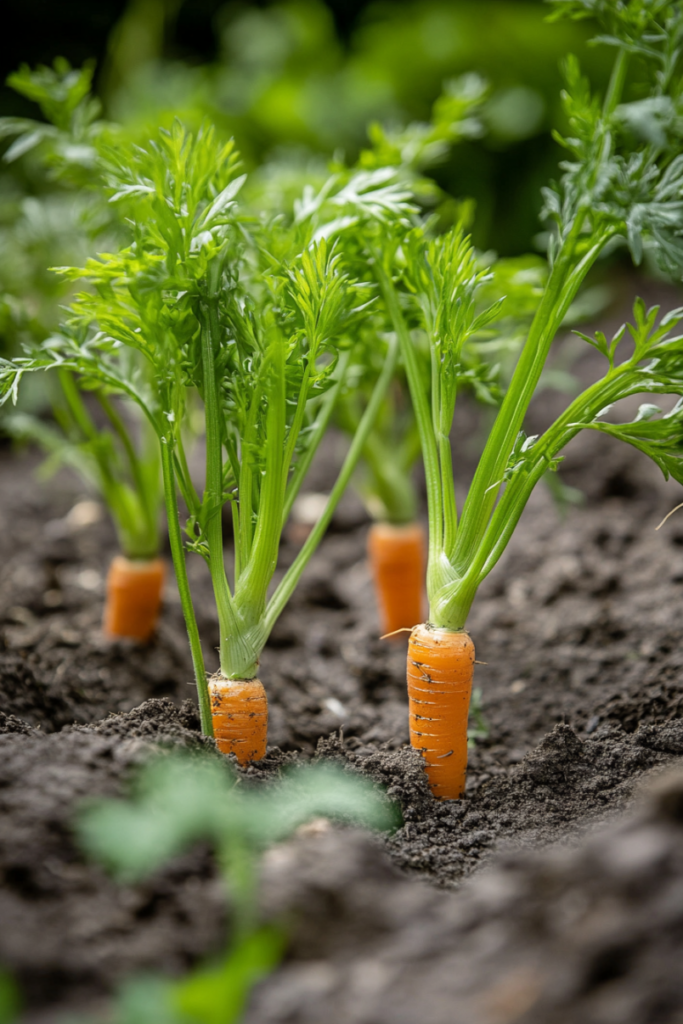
<point>622,183</point>
<point>103,439</point>
<point>253,319</point>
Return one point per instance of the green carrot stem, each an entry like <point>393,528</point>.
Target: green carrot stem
<point>149,509</point>
<point>291,578</point>
<point>565,279</point>
<point>422,410</point>
<point>391,481</point>
<point>178,556</point>
<point>322,421</point>
<point>235,654</point>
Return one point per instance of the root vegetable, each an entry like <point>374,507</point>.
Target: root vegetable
<point>396,555</point>
<point>440,670</point>
<point>239,710</point>
<point>133,597</point>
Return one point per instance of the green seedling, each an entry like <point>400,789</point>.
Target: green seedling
<point>180,800</point>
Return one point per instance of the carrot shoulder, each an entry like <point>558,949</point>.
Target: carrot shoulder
<point>133,597</point>
<point>440,670</point>
<point>396,555</point>
<point>239,710</point>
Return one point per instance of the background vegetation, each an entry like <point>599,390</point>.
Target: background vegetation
<point>306,77</point>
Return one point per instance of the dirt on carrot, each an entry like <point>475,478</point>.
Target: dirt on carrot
<point>239,710</point>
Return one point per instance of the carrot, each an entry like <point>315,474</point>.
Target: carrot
<point>239,711</point>
<point>133,597</point>
<point>396,555</point>
<point>440,670</point>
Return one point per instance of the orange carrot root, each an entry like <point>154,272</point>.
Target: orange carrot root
<point>396,555</point>
<point>239,710</point>
<point>440,670</point>
<point>133,597</point>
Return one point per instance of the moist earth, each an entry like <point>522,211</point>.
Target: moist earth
<point>576,911</point>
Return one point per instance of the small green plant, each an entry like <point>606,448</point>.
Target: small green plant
<point>180,800</point>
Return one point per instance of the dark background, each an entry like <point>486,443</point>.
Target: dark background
<point>79,29</point>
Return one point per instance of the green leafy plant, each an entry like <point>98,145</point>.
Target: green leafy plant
<point>621,181</point>
<point>255,320</point>
<point>92,431</point>
<point>180,800</point>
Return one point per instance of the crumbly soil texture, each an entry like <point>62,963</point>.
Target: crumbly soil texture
<point>576,910</point>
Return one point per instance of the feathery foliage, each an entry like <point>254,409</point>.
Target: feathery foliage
<point>621,183</point>
<point>254,318</point>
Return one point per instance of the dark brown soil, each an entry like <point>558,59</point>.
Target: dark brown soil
<point>580,631</point>
<point>575,936</point>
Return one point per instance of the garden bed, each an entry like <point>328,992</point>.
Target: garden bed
<point>582,688</point>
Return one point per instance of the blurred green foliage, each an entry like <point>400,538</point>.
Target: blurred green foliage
<point>179,800</point>
<point>50,210</point>
<point>287,88</point>
<point>284,79</point>
<point>10,1002</point>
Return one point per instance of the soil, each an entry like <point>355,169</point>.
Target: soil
<point>591,934</point>
<point>578,913</point>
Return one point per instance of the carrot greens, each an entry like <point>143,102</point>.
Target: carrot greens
<point>117,458</point>
<point>94,429</point>
<point>255,320</point>
<point>270,318</point>
<point>94,432</point>
<point>623,180</point>
<point>397,166</point>
<point>622,183</point>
